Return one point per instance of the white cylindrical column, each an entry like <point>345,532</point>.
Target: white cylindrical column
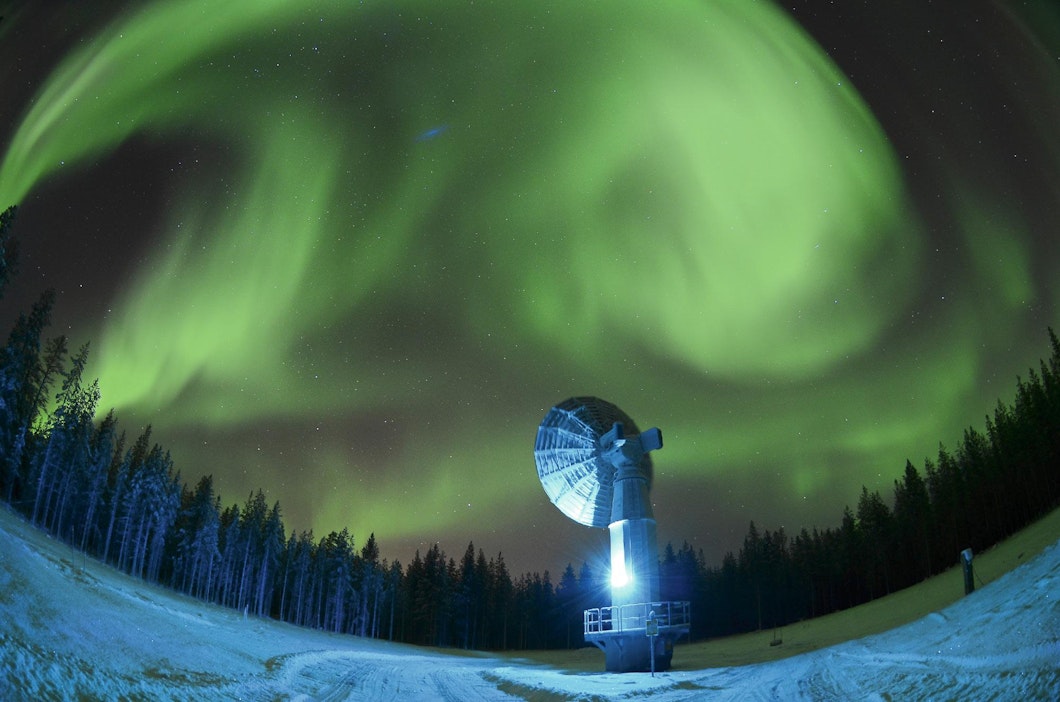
<point>634,562</point>
<point>634,554</point>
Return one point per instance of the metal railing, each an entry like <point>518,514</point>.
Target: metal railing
<point>634,617</point>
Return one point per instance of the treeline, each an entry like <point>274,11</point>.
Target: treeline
<point>995,483</point>
<point>126,505</point>
<point>122,501</point>
<point>129,508</point>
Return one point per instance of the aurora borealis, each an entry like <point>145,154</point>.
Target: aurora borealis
<point>351,253</point>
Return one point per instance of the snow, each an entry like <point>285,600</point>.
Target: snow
<point>71,627</point>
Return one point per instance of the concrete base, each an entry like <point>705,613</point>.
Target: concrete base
<point>631,652</point>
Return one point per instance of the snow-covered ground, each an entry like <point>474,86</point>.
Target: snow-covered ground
<point>71,628</point>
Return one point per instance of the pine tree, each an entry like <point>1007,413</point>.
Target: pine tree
<point>848,550</point>
<point>875,524</point>
<point>77,479</point>
<point>25,379</point>
<point>499,601</point>
<point>371,582</point>
<point>8,248</point>
<point>394,579</point>
<point>806,573</point>
<point>67,433</point>
<point>752,568</point>
<point>122,503</point>
<point>468,595</point>
<point>482,578</point>
<point>231,547</point>
<point>336,551</point>
<point>198,534</point>
<point>252,530</point>
<point>567,597</point>
<point>589,588</point>
<point>101,456</point>
<point>300,558</point>
<point>272,544</point>
<point>912,517</point>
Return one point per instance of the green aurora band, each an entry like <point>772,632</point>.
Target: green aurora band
<point>429,222</point>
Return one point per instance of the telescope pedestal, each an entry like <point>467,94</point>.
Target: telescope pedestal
<point>628,633</point>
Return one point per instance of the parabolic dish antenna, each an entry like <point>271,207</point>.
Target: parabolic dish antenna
<point>570,463</point>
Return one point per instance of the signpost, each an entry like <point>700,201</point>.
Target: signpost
<point>651,629</point>
<point>969,579</point>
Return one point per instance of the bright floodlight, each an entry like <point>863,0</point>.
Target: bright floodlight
<point>620,574</point>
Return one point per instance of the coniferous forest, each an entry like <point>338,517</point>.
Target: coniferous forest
<point>121,499</point>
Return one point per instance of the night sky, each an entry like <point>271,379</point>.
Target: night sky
<point>351,253</point>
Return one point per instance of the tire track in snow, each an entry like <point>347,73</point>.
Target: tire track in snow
<point>335,676</point>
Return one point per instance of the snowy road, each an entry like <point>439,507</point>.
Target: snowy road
<point>357,675</point>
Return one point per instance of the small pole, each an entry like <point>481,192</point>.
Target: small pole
<point>966,562</point>
<point>651,628</point>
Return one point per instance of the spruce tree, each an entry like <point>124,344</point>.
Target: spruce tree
<point>8,248</point>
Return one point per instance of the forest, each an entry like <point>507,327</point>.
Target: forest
<point>120,499</point>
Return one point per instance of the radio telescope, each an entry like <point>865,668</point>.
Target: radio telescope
<point>594,466</point>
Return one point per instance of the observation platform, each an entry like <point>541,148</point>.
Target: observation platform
<point>628,633</point>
